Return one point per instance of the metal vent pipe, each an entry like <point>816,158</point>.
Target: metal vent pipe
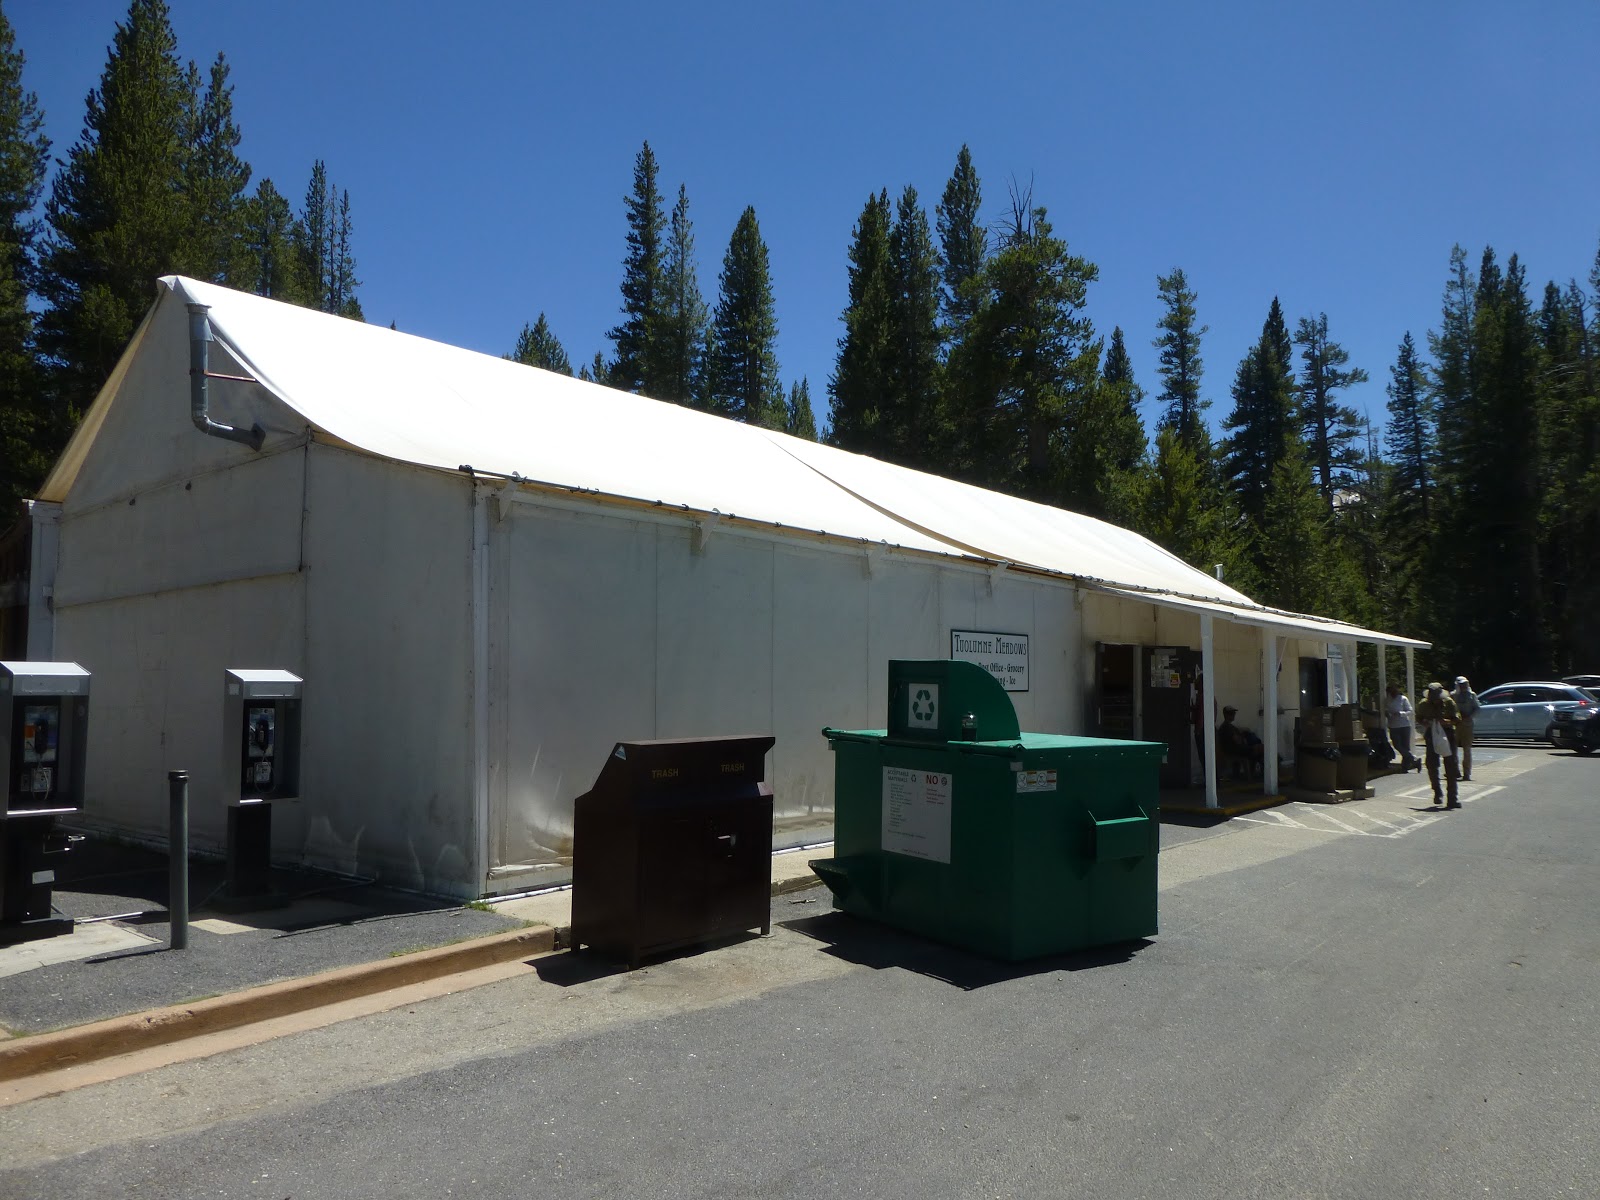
<point>199,371</point>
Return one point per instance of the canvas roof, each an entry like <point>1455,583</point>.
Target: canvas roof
<point>406,398</point>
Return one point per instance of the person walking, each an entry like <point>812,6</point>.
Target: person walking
<point>1437,716</point>
<point>1467,701</point>
<point>1398,713</point>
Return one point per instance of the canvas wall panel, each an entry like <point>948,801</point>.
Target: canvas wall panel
<point>215,527</point>
<point>714,634</point>
<point>574,669</point>
<point>156,698</point>
<point>820,677</point>
<point>608,627</point>
<point>147,436</point>
<point>388,775</point>
<point>903,621</point>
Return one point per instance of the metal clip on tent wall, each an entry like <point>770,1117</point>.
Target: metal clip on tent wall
<point>702,532</point>
<point>199,371</point>
<point>505,499</point>
<point>994,573</point>
<point>869,559</point>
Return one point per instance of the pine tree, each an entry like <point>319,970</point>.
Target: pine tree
<point>1125,442</point>
<point>963,241</point>
<point>1181,365</point>
<point>1107,445</point>
<point>1486,561</point>
<point>1502,469</point>
<point>1451,349</point>
<point>269,238</point>
<point>913,397</point>
<point>117,215</point>
<point>1409,440</point>
<point>683,319</point>
<point>800,422</point>
<point>1293,538</point>
<point>314,233</point>
<point>1569,428</point>
<point>596,371</point>
<point>1263,418</point>
<point>537,346</point>
<point>1569,423</point>
<point>964,252</point>
<point>1362,557</point>
<point>1332,430</point>
<point>215,178</point>
<point>342,281</point>
<point>1030,356</point>
<point>746,331</point>
<point>323,233</point>
<point>860,384</point>
<point>24,157</point>
<point>1180,505</point>
<point>639,364</point>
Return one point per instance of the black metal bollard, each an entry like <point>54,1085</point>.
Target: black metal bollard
<point>178,857</point>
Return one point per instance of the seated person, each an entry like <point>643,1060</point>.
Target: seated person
<point>1234,742</point>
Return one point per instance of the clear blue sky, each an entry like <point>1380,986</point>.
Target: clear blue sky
<point>1328,154</point>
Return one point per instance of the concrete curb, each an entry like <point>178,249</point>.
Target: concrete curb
<point>799,883</point>
<point>36,1054</point>
<point>1235,808</point>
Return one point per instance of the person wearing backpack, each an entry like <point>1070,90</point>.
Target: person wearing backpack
<point>1437,718</point>
<point>1467,701</point>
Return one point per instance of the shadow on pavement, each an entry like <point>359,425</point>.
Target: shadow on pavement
<point>109,967</point>
<point>584,966</point>
<point>869,944</point>
<point>1191,820</point>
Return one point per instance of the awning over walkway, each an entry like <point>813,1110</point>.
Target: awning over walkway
<point>1286,623</point>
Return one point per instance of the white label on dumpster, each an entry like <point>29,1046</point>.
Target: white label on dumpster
<point>1035,781</point>
<point>922,706</point>
<point>916,813</point>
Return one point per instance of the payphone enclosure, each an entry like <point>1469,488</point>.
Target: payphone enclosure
<point>261,736</point>
<point>44,725</point>
<point>260,765</point>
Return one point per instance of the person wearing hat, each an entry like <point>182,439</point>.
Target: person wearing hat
<point>1236,743</point>
<point>1437,716</point>
<point>1467,701</point>
<point>1398,711</point>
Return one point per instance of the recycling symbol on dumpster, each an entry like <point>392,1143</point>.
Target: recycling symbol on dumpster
<point>924,705</point>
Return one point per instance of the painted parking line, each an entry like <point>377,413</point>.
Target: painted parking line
<point>1315,818</point>
<point>1336,822</point>
<point>1366,818</point>
<point>1467,792</point>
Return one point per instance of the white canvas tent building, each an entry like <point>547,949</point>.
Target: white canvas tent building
<point>487,574</point>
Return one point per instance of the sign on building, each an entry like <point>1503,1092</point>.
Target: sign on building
<point>1003,655</point>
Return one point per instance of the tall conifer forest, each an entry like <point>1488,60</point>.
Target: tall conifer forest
<point>1469,518</point>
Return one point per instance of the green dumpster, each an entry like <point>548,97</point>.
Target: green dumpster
<point>953,824</point>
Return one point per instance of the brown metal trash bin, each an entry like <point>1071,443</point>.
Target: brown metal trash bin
<point>673,846</point>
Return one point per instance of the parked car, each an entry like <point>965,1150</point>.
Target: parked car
<point>1584,681</point>
<point>1525,709</point>
<point>1577,728</point>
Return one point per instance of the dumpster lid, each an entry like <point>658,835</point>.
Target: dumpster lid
<point>948,700</point>
<point>1023,743</point>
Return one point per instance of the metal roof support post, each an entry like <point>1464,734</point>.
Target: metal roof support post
<point>481,494</point>
<point>1383,682</point>
<point>1411,671</point>
<point>1271,649</point>
<point>1208,730</point>
<point>44,555</point>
